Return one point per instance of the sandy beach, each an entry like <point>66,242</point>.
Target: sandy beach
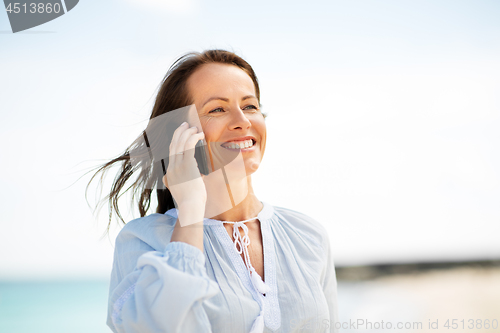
<point>460,299</point>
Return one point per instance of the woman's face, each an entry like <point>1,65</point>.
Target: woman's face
<point>224,96</point>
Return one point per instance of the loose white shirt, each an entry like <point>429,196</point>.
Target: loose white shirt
<point>162,286</point>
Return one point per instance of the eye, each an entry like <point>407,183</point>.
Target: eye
<point>250,107</point>
<point>216,110</point>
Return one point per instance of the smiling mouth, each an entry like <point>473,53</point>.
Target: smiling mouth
<point>239,144</point>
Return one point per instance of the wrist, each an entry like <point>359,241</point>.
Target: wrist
<point>191,213</point>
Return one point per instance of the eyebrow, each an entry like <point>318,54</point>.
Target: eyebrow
<point>226,99</point>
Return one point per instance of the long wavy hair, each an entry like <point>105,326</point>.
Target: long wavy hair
<point>173,94</point>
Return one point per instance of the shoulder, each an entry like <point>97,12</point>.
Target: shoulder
<point>301,220</point>
<point>304,224</point>
<point>154,230</point>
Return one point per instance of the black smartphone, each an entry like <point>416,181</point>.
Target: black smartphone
<point>154,145</point>
<point>158,135</point>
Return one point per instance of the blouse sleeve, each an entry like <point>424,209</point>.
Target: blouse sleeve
<point>162,293</point>
<point>329,282</point>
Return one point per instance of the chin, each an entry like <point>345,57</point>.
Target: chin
<point>251,167</point>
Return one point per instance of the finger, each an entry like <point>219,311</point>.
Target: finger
<point>173,149</point>
<point>190,145</point>
<point>181,142</point>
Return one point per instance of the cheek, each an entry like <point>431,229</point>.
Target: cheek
<point>261,128</point>
<point>210,129</point>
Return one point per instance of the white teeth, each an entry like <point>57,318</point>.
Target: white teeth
<point>240,145</point>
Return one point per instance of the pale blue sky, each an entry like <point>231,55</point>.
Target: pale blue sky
<point>383,120</point>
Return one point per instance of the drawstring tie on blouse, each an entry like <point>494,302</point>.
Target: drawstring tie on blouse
<point>241,245</point>
<point>258,324</point>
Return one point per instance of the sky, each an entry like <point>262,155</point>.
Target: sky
<point>382,123</point>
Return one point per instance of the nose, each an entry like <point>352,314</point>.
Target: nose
<point>238,119</point>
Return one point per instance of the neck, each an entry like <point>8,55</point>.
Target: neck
<point>234,202</point>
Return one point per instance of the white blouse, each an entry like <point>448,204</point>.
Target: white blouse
<point>162,286</point>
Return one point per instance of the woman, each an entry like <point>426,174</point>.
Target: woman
<point>221,260</point>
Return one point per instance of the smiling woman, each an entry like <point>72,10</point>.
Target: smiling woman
<point>213,258</point>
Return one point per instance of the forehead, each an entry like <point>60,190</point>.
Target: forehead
<point>219,79</point>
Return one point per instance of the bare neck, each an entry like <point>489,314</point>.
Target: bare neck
<point>242,204</point>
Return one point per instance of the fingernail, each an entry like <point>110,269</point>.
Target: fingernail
<point>183,123</point>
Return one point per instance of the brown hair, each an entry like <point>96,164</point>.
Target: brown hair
<point>173,94</point>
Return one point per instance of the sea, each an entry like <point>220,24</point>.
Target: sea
<point>81,306</point>
<point>54,306</point>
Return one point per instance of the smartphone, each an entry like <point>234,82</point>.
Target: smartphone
<point>155,144</point>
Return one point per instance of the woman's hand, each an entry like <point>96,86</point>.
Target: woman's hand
<point>185,182</point>
<point>183,178</point>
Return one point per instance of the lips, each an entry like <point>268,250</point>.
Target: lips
<point>240,143</point>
